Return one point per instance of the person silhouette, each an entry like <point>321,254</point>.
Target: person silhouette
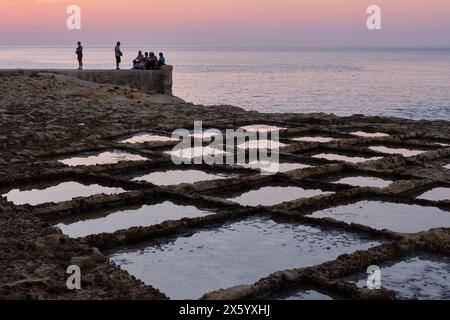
<point>79,53</point>
<point>119,55</point>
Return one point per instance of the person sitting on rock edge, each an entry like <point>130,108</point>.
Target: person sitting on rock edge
<point>152,61</point>
<point>162,60</point>
<point>138,61</point>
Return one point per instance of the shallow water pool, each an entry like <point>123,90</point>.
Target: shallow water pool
<point>175,177</point>
<point>269,196</point>
<point>236,253</point>
<point>108,157</point>
<point>399,217</point>
<point>143,216</point>
<point>422,277</point>
<point>64,191</point>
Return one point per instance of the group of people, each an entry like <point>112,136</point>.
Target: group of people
<point>147,61</point>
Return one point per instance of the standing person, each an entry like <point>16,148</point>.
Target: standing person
<point>119,55</point>
<point>79,53</point>
<point>162,60</point>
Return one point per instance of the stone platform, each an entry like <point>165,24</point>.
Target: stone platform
<point>148,81</point>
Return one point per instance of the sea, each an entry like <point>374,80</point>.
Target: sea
<point>401,82</point>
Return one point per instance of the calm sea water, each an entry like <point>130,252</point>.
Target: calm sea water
<point>410,83</point>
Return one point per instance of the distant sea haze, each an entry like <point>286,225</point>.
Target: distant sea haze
<point>408,83</point>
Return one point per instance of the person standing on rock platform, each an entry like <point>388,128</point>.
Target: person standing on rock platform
<point>119,55</point>
<point>79,53</point>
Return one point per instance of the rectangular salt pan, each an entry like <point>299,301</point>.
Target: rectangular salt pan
<point>313,139</point>
<point>364,134</point>
<point>273,167</point>
<point>401,151</point>
<point>109,157</point>
<point>62,192</point>
<point>147,137</point>
<point>362,181</point>
<point>174,177</point>
<point>304,294</point>
<point>421,277</point>
<point>262,128</point>
<point>146,215</point>
<point>237,253</point>
<point>436,194</point>
<point>398,217</point>
<point>269,196</point>
<point>196,152</point>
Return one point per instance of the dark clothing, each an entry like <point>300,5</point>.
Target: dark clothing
<point>118,54</point>
<point>117,51</point>
<point>151,63</point>
<point>79,53</point>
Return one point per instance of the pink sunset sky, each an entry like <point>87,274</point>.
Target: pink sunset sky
<point>338,23</point>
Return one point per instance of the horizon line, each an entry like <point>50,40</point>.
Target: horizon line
<point>228,46</point>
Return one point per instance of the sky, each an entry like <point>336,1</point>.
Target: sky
<point>288,23</point>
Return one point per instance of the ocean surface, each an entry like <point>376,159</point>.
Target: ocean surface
<point>408,83</point>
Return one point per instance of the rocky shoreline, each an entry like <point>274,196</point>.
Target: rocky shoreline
<point>46,116</point>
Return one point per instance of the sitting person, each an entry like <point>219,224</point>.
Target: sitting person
<point>138,62</point>
<point>152,62</point>
<point>146,59</point>
<point>162,60</point>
